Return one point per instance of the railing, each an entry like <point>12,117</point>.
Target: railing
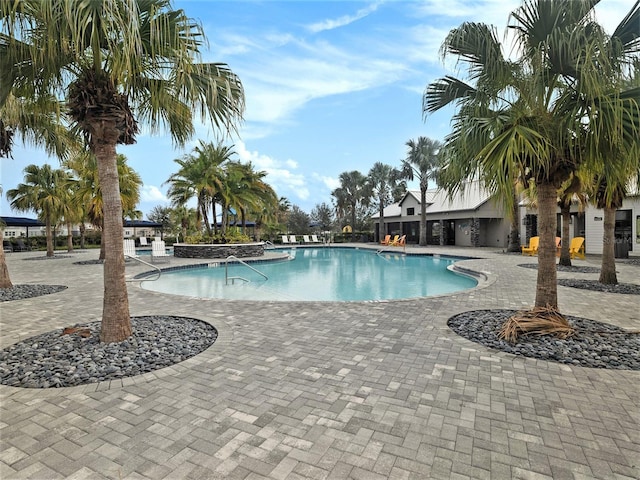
<point>269,244</point>
<point>226,270</point>
<point>146,263</point>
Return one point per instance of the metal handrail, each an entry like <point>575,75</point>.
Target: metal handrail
<point>146,263</point>
<point>268,243</point>
<point>226,269</point>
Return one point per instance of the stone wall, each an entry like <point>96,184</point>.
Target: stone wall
<point>223,250</point>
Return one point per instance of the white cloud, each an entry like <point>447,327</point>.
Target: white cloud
<point>280,174</point>
<point>344,20</point>
<point>330,182</point>
<point>151,193</point>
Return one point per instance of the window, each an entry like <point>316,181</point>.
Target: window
<point>411,211</point>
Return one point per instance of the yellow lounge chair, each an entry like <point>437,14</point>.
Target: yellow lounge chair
<point>386,241</point>
<point>576,249</point>
<point>399,242</point>
<point>395,239</point>
<point>532,249</point>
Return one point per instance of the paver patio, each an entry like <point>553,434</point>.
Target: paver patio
<point>325,390</point>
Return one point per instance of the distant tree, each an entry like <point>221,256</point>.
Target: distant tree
<point>44,192</point>
<point>422,163</point>
<point>383,181</point>
<point>354,191</point>
<point>162,215</point>
<point>297,221</point>
<point>322,214</point>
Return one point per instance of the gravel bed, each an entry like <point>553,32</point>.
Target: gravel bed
<point>89,262</point>
<point>595,344</point>
<point>22,292</point>
<point>564,268</point>
<point>54,359</point>
<point>55,257</point>
<point>594,285</point>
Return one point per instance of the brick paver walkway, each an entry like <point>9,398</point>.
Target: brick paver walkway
<point>325,390</point>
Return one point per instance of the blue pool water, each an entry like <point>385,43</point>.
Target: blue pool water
<point>321,274</point>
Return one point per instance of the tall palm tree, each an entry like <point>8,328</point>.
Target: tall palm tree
<point>124,61</point>
<point>423,163</point>
<point>88,191</point>
<point>383,180</point>
<point>201,176</point>
<point>5,279</point>
<point>354,190</point>
<point>531,118</point>
<point>43,191</point>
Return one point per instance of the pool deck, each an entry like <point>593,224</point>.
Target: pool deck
<point>367,391</point>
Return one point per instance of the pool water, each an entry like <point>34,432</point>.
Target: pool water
<point>321,274</point>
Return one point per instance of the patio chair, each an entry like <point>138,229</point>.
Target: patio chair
<point>532,249</point>
<point>306,239</point>
<point>395,239</point>
<point>7,246</point>
<point>314,239</point>
<point>293,239</point>
<point>576,249</point>
<point>399,242</point>
<point>386,241</point>
<point>159,252</point>
<point>130,248</point>
<point>143,242</point>
<point>285,239</point>
<point>20,246</point>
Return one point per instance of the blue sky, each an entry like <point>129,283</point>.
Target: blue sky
<point>330,86</point>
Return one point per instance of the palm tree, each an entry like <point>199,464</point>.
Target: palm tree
<point>88,192</point>
<point>354,190</point>
<point>383,181</point>
<point>5,279</point>
<point>125,61</point>
<point>530,119</point>
<point>201,176</point>
<point>422,162</point>
<point>43,191</point>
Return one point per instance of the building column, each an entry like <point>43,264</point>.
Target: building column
<point>475,232</point>
<point>443,232</point>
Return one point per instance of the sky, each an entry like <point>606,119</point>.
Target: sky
<point>330,87</point>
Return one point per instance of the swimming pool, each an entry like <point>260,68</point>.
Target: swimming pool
<point>321,274</point>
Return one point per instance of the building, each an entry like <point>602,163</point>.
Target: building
<point>473,218</point>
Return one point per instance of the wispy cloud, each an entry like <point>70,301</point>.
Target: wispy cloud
<point>344,20</point>
<point>151,193</point>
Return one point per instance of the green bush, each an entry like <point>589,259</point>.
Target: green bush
<point>231,236</point>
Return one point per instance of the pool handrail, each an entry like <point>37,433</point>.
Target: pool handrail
<point>138,259</point>
<point>226,270</point>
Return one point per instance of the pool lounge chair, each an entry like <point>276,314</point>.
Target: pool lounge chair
<point>399,242</point>
<point>314,239</point>
<point>576,249</point>
<point>130,248</point>
<point>143,242</point>
<point>285,239</point>
<point>293,239</point>
<point>532,249</point>
<point>159,252</point>
<point>305,239</point>
<point>386,241</point>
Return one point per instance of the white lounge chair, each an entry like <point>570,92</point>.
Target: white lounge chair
<point>157,239</point>
<point>159,252</point>
<point>143,242</point>
<point>285,239</point>
<point>314,239</point>
<point>130,248</point>
<point>292,239</point>
<point>305,238</point>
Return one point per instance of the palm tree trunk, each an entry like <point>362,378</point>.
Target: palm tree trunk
<point>381,224</point>
<point>423,216</point>
<point>608,267</point>
<point>565,257</point>
<point>514,233</point>
<point>69,237</point>
<point>116,323</point>
<point>5,280</point>
<point>49,237</point>
<point>82,233</point>
<point>547,287</point>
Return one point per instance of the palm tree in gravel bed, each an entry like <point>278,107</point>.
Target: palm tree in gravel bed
<point>116,62</point>
<point>541,116</point>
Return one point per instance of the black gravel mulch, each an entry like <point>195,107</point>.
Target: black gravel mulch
<point>595,344</point>
<point>21,292</point>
